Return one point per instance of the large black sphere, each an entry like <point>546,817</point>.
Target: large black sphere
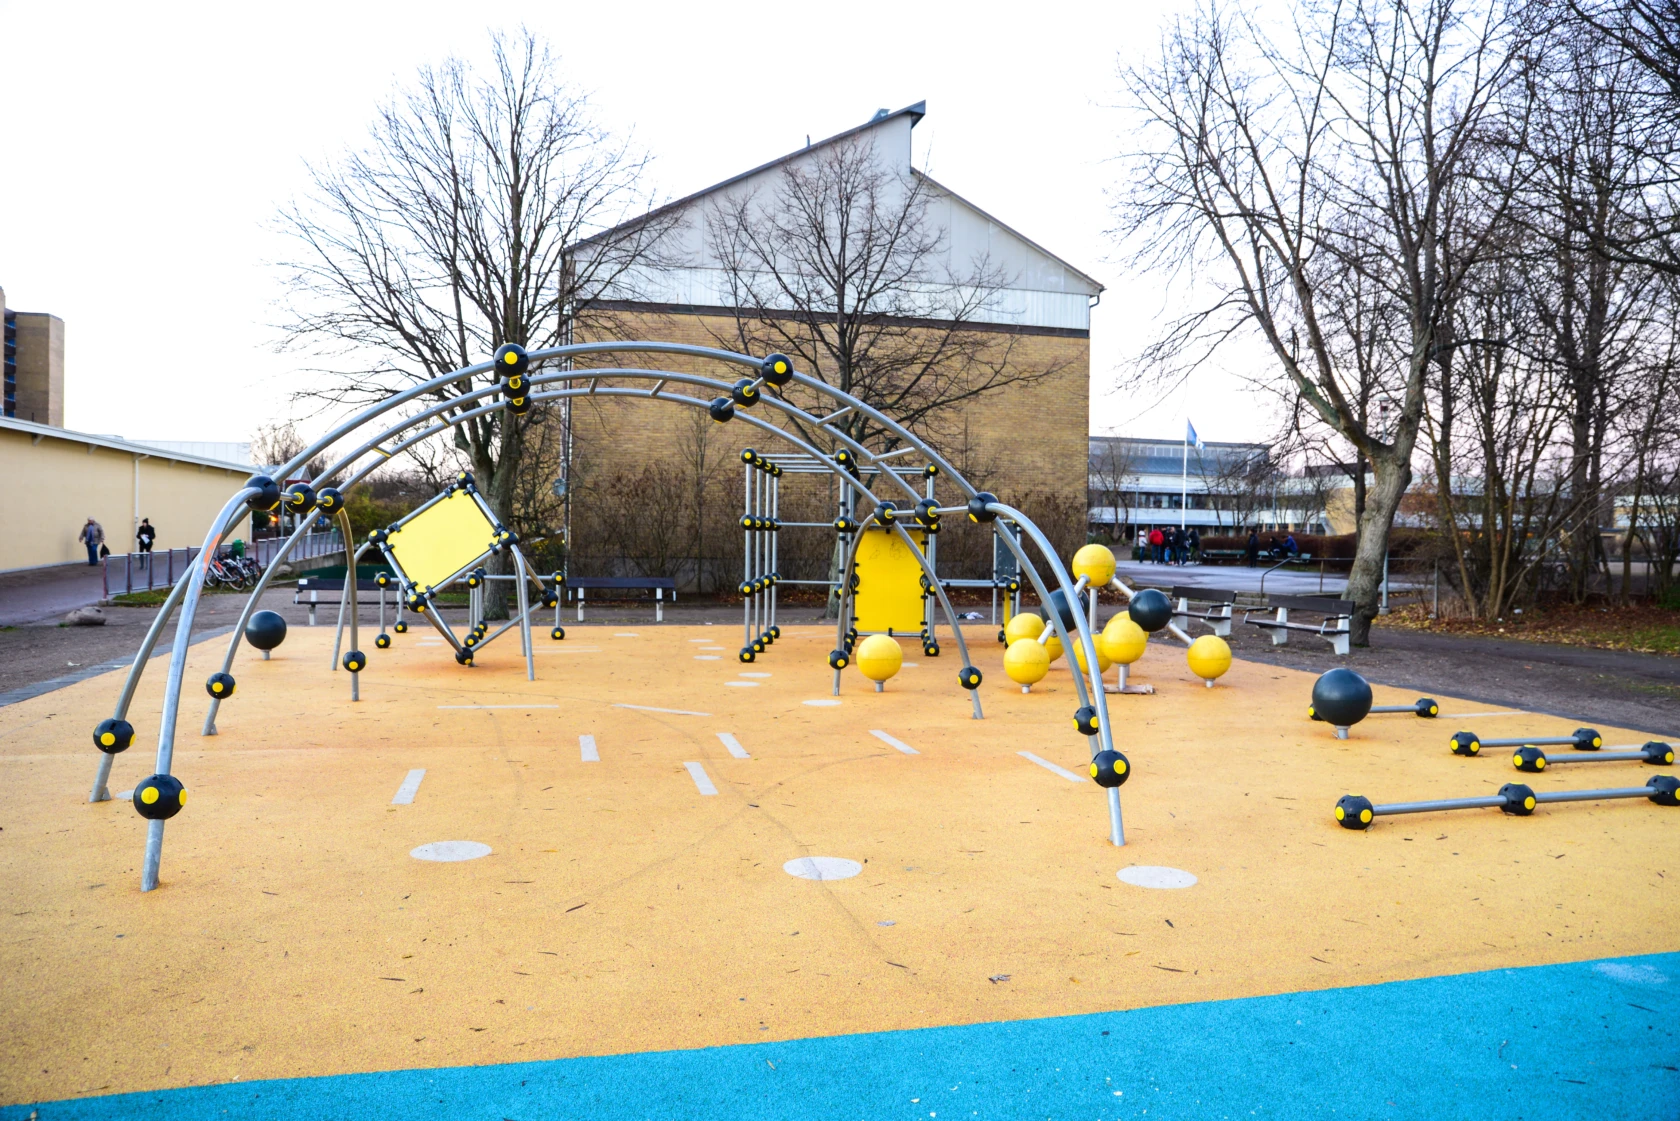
<point>265,630</point>
<point>113,735</point>
<point>1340,697</point>
<point>1151,609</point>
<point>1059,604</point>
<point>1110,769</point>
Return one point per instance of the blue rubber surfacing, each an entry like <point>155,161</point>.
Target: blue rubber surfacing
<point>1590,1039</point>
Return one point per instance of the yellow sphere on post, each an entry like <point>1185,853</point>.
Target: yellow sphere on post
<point>1103,660</point>
<point>1023,625</point>
<point>879,657</point>
<point>1096,562</point>
<point>1053,647</point>
<point>1123,641</point>
<point>1209,658</point>
<point>1026,663</point>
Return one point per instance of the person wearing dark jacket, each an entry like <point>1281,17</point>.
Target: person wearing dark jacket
<point>1252,552</point>
<point>1192,546</point>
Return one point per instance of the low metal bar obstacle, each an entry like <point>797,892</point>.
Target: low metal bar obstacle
<point>1534,760</point>
<point>1356,812</point>
<point>1581,739</point>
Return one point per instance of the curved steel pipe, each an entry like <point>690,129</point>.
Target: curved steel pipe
<point>950,614</point>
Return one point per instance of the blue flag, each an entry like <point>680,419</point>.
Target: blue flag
<point>1190,436</point>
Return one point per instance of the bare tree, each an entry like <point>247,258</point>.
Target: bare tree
<point>1276,169</point>
<point>450,233</point>
<point>842,267</point>
<point>1113,470</point>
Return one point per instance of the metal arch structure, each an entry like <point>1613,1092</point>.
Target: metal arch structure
<point>357,464</point>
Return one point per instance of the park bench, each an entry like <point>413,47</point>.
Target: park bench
<point>623,585</point>
<point>315,585</point>
<point>1221,554</point>
<point>1220,605</point>
<point>1336,615</point>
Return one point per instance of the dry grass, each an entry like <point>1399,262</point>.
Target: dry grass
<point>1641,629</point>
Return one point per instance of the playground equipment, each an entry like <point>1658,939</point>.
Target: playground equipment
<point>1425,707</point>
<point>1026,662</point>
<point>1124,642</point>
<point>879,657</point>
<point>1336,616</point>
<point>1534,760</point>
<point>1581,739</point>
<point>1151,609</point>
<point>1340,698</point>
<point>265,631</point>
<point>1356,812</point>
<point>1209,658</point>
<point>504,388</point>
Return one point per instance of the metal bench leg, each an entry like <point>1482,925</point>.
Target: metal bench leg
<point>1222,626</point>
<point>1339,643</point>
<point>580,604</point>
<point>1182,615</point>
<point>311,614</point>
<point>659,605</point>
<point>1280,633</point>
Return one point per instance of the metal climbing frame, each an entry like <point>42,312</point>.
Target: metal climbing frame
<point>458,407</point>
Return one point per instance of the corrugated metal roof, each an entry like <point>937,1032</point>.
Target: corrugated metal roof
<point>38,432</point>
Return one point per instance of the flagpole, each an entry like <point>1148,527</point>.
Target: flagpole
<point>1184,477</point>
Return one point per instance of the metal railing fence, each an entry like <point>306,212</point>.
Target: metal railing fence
<point>125,573</point>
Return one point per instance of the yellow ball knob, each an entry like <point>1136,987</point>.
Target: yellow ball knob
<point>1023,625</point>
<point>1103,660</point>
<point>1026,662</point>
<point>879,657</point>
<point>1209,657</point>
<point>1096,562</point>
<point>1123,641</point>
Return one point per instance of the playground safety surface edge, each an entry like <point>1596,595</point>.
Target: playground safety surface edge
<point>622,911</point>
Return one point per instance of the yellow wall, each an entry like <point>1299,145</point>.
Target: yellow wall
<point>52,487</point>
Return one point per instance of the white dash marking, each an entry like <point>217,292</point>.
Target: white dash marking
<point>626,634</point>
<point>409,788</point>
<point>498,706</point>
<point>893,741</point>
<point>650,708</point>
<point>743,684</point>
<point>706,657</point>
<point>822,702</point>
<point>1049,766</point>
<point>753,675</point>
<point>734,745</point>
<point>701,781</point>
<point>586,745</point>
<point>701,641</point>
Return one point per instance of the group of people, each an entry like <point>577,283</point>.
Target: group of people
<point>1172,545</point>
<point>93,536</point>
<point>1273,548</point>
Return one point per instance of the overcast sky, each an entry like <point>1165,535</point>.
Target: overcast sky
<point>148,146</point>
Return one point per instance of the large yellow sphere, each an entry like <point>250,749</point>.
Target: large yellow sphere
<point>1053,647</point>
<point>1026,662</point>
<point>879,657</point>
<point>1096,562</point>
<point>1023,625</point>
<point>1209,657</point>
<point>1103,660</point>
<point>1123,641</point>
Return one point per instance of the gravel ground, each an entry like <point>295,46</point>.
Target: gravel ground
<point>1603,686</point>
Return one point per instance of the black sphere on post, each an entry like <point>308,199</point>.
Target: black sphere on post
<point>744,393</point>
<point>1658,754</point>
<point>777,369</point>
<point>268,493</point>
<point>747,654</point>
<point>300,498</point>
<point>511,359</point>
<point>1428,708</point>
<point>1519,799</point>
<point>329,500</point>
<point>1354,812</point>
<point>401,627</point>
<point>1110,769</point>
<point>1070,619</point>
<point>1465,743</point>
<point>1150,609</point>
<point>220,686</point>
<point>382,640</point>
<point>1530,759</point>
<point>838,659</point>
<point>1588,739</point>
<point>265,630</point>
<point>1665,790</point>
<point>722,409</point>
<point>160,797</point>
<point>1340,697</point>
<point>968,677</point>
<point>977,511</point>
<point>355,661</point>
<point>1085,719</point>
<point>113,736</point>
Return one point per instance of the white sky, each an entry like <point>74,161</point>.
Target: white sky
<point>146,148</point>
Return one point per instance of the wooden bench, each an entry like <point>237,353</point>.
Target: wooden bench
<point>1336,614</point>
<point>658,585</point>
<point>315,585</point>
<point>1220,602</point>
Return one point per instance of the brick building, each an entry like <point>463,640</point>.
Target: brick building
<point>1012,318</point>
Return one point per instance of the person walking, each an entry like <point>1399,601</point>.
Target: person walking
<point>93,536</point>
<point>145,535</point>
<point>1193,546</point>
<point>1252,552</point>
<point>1156,539</point>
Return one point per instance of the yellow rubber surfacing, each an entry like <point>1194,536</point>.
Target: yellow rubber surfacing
<point>621,910</point>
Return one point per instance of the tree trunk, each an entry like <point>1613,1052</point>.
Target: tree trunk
<point>1393,475</point>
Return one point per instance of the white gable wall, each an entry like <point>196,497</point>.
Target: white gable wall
<point>1040,290</point>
